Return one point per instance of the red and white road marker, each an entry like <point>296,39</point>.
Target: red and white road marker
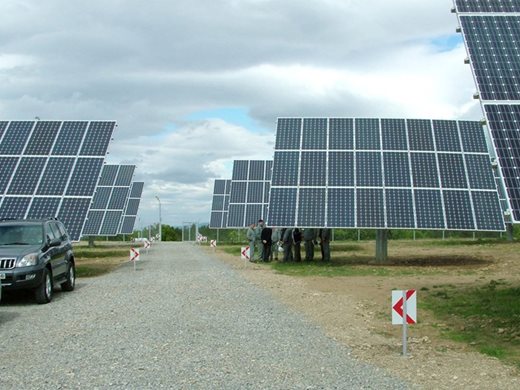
<point>404,311</point>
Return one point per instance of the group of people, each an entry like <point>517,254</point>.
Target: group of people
<point>264,243</point>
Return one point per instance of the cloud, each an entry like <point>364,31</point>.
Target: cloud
<point>160,68</point>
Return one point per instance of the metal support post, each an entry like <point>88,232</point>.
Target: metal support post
<point>381,246</point>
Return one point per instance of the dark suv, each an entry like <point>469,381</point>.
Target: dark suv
<point>36,255</point>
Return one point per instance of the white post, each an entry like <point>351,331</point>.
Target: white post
<point>405,323</point>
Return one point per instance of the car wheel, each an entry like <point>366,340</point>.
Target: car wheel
<point>43,292</point>
<point>69,284</point>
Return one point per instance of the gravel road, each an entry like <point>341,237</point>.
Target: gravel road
<point>183,320</point>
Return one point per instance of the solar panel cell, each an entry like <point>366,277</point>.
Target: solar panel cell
<point>367,134</point>
<point>97,138</point>
<point>393,132</point>
<point>70,138</point>
<point>341,134</point>
<point>341,169</point>
<point>314,133</point>
<point>240,170</point>
<point>108,175</point>
<point>256,170</point>
<point>26,177</point>
<point>313,169</point>
<point>236,215</point>
<point>7,167</point>
<point>429,211</point>
<point>128,224</point>
<point>118,198</point>
<point>254,212</point>
<point>487,6</point>
<point>369,169</point>
<point>101,198</point>
<point>397,169</point>
<point>42,138</point>
<point>288,134</point>
<point>124,175</point>
<point>132,207</point>
<point>452,172</point>
<point>479,174</point>
<point>255,192</point>
<point>14,207</point>
<point>460,216</point>
<point>110,225</point>
<point>284,214</point>
<point>370,208</point>
<point>488,214</point>
<point>311,207</point>
<point>239,192</point>
<point>137,189</point>
<point>446,136</point>
<point>285,168</point>
<point>341,207</point>
<point>472,135</point>
<point>15,137</point>
<point>420,135</point>
<point>44,208</point>
<point>399,208</point>
<point>93,222</point>
<point>424,170</point>
<point>3,126</point>
<point>85,177</point>
<point>55,176</point>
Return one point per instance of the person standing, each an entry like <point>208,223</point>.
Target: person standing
<point>258,242</point>
<point>275,239</point>
<point>324,236</point>
<point>309,238</point>
<point>297,241</point>
<point>287,245</point>
<point>251,237</point>
<point>266,237</point>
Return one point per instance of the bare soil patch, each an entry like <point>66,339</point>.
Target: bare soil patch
<point>355,310</point>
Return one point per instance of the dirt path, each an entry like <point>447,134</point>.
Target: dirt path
<point>356,312</point>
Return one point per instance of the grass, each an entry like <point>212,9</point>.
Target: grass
<point>486,317</point>
<point>100,259</point>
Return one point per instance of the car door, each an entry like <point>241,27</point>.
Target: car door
<point>56,253</point>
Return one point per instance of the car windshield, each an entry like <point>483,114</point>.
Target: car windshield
<point>21,235</point>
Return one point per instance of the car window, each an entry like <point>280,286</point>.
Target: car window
<point>21,235</point>
<point>62,230</point>
<point>49,232</point>
<point>55,230</point>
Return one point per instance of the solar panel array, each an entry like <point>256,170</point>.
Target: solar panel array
<point>250,185</point>
<point>109,201</point>
<point>491,31</point>
<point>132,207</point>
<point>220,205</point>
<point>382,173</point>
<point>51,168</point>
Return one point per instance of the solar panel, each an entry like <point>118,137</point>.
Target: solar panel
<point>428,177</point>
<point>132,207</point>
<point>41,174</point>
<point>247,201</point>
<point>110,198</point>
<point>220,204</point>
<point>491,31</point>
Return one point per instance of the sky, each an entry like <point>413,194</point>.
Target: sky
<point>197,84</point>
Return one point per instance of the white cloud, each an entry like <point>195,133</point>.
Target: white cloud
<point>149,66</point>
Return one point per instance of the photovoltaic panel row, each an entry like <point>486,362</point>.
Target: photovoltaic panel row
<point>111,199</point>
<point>495,6</point>
<point>491,31</point>
<point>220,204</point>
<point>132,207</point>
<point>250,186</point>
<point>434,184</point>
<point>48,168</point>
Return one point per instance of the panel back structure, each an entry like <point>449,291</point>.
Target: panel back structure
<point>110,200</point>
<point>491,32</point>
<point>220,204</point>
<point>250,186</point>
<point>132,207</point>
<point>51,169</point>
<point>382,174</point>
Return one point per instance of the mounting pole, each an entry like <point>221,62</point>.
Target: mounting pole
<point>509,227</point>
<point>381,246</point>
